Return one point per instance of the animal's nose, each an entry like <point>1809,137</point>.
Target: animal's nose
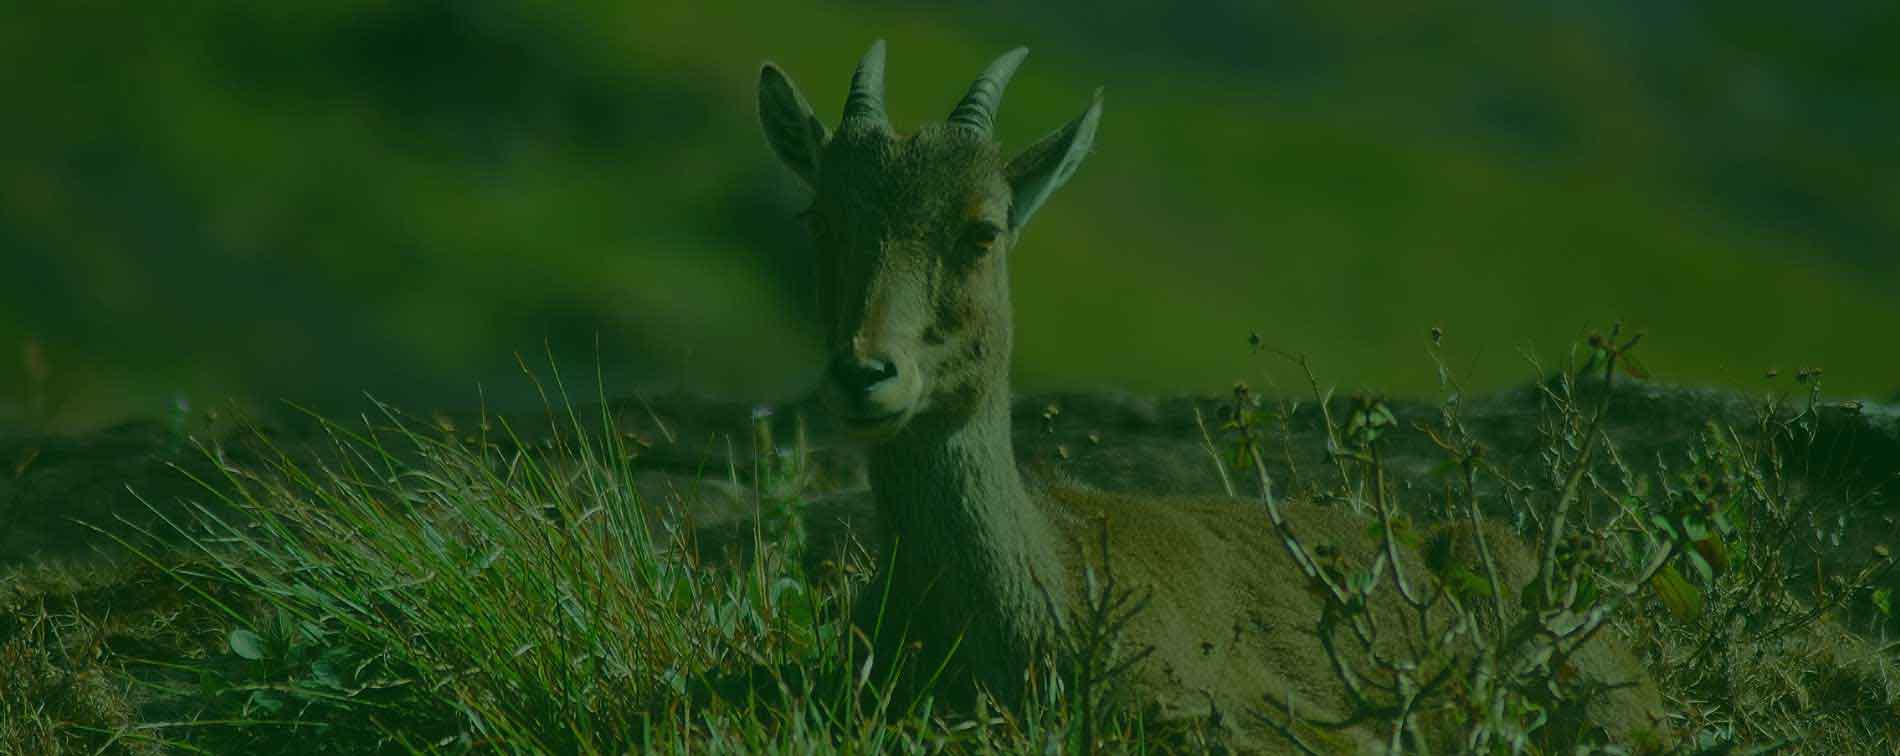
<point>859,375</point>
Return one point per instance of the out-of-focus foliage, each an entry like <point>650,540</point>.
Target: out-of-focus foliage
<point>311,199</point>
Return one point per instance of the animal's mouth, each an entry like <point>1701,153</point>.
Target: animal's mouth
<point>871,421</point>
<point>874,424</point>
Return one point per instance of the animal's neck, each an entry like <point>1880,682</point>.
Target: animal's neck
<point>970,549</point>
<point>951,479</point>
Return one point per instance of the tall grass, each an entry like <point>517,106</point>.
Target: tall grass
<point>418,588</point>
<point>429,587</point>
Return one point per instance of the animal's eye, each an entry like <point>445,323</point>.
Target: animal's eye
<point>982,235</point>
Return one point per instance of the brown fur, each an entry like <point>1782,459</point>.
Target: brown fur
<point>1233,623</point>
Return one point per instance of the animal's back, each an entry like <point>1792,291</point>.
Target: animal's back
<point>1233,621</point>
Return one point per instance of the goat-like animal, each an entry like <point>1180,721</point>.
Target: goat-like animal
<point>914,233</point>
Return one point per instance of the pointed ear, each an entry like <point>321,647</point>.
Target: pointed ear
<point>1043,168</point>
<point>796,135</point>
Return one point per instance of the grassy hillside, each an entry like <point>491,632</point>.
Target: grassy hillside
<point>312,199</point>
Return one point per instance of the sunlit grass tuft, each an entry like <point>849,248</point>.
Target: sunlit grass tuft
<point>415,588</point>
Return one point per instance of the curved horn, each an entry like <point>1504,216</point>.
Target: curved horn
<point>866,101</point>
<point>978,108</point>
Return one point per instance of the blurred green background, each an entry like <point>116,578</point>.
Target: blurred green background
<point>310,200</point>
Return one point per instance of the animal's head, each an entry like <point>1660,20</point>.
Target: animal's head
<point>913,233</point>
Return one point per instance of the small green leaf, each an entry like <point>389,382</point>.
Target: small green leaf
<point>246,644</point>
<point>1883,600</point>
<point>1723,523</point>
<point>1677,595</point>
<point>324,674</point>
<point>1663,524</point>
<point>1702,569</point>
<point>1586,592</point>
<point>1715,552</point>
<point>1465,583</point>
<point>308,594</point>
<point>265,702</point>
